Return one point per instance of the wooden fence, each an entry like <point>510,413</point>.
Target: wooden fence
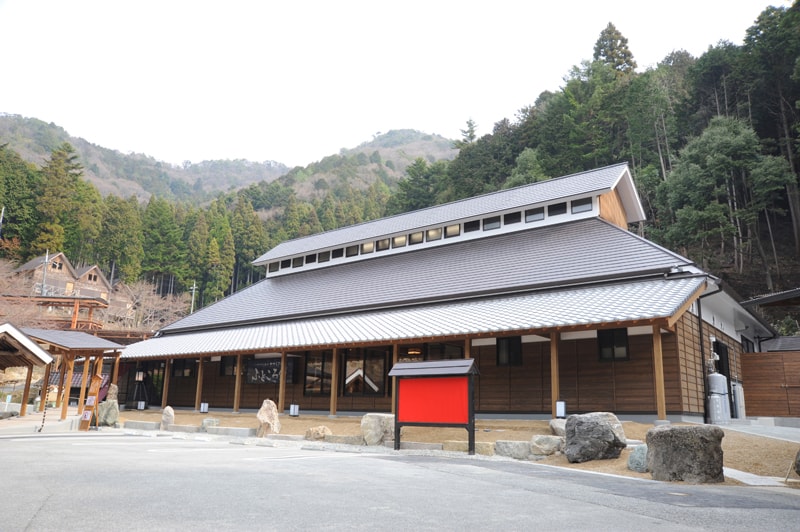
<point>771,384</point>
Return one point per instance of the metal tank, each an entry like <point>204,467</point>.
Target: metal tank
<point>719,409</point>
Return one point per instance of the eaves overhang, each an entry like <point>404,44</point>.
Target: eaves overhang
<point>657,302</point>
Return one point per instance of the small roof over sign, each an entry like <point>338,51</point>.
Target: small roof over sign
<point>435,368</point>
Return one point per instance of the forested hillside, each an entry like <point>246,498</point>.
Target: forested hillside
<point>125,175</point>
<point>712,143</point>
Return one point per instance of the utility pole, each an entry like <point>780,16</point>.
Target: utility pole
<point>193,288</point>
<point>44,271</point>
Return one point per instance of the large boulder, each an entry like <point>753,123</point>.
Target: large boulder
<point>167,418</point>
<point>691,453</point>
<point>593,436</point>
<point>268,418</point>
<point>108,413</point>
<point>377,428</point>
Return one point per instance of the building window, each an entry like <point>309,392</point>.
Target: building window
<point>227,367</point>
<point>472,225</point>
<point>183,367</point>
<point>512,218</point>
<point>444,352</point>
<point>491,223</point>
<point>364,372</point>
<point>274,267</point>
<point>268,371</point>
<point>509,351</point>
<point>534,215</point>
<point>557,209</point>
<point>452,230</point>
<point>324,256</point>
<point>433,234</point>
<point>399,241</point>
<point>310,259</point>
<point>318,373</point>
<point>351,251</point>
<point>581,205</point>
<point>416,238</point>
<point>382,245</point>
<point>367,247</point>
<point>337,253</point>
<point>613,344</point>
<point>285,263</point>
<point>297,262</point>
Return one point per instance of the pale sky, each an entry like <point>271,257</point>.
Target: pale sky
<point>294,81</point>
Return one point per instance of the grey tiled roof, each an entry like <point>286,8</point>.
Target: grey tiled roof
<point>566,254</point>
<point>631,302</point>
<point>595,181</point>
<point>782,343</point>
<point>74,340</point>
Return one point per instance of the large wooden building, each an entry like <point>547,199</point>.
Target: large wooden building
<point>543,285</point>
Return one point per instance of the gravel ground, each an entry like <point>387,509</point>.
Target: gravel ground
<point>744,452</point>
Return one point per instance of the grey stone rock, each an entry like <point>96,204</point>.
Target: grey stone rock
<point>318,433</point>
<point>377,428</point>
<point>637,460</point>
<point>268,418</point>
<point>558,427</point>
<point>113,393</point>
<point>546,445</point>
<point>797,463</point>
<point>167,418</point>
<point>518,450</point>
<point>108,413</point>
<point>686,453</point>
<point>593,436</point>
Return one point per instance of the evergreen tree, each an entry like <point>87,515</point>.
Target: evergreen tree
<point>612,49</point>
<point>165,255</point>
<point>120,240</point>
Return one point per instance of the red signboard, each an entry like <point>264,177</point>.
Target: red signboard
<point>442,400</point>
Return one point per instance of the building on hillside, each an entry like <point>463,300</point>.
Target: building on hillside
<point>49,275</point>
<point>70,296</point>
<point>543,285</point>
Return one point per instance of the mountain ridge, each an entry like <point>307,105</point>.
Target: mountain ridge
<point>384,157</point>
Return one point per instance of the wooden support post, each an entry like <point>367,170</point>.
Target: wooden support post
<point>199,391</point>
<point>165,383</point>
<point>395,356</point>
<point>282,385</point>
<point>84,380</point>
<point>45,386</point>
<point>26,393</point>
<point>76,309</point>
<point>237,385</point>
<point>334,381</point>
<point>658,366</point>
<point>468,347</point>
<point>61,376</point>
<point>69,360</point>
<point>555,391</point>
<point>115,369</point>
